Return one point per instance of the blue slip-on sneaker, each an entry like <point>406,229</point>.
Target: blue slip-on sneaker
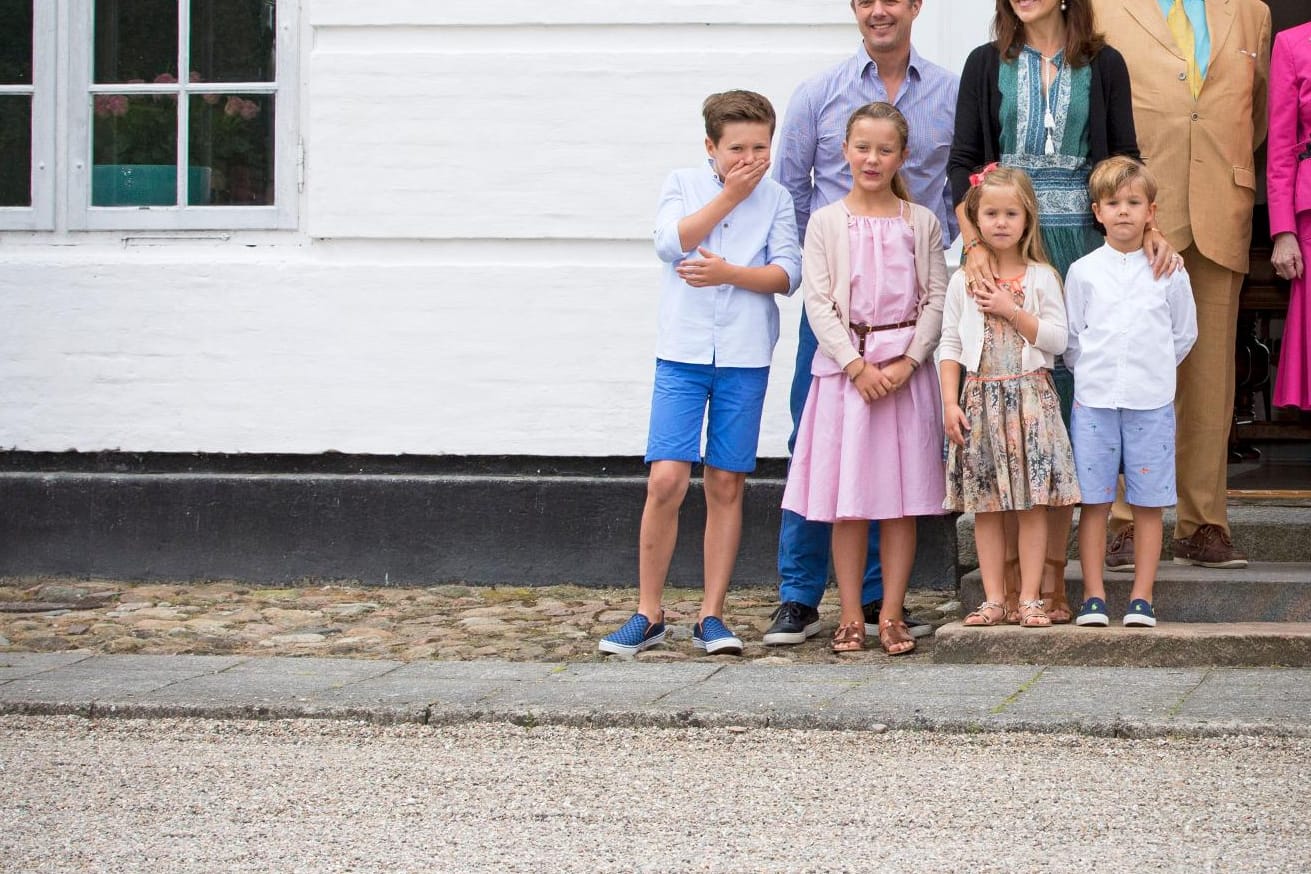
<point>637,634</point>
<point>1140,615</point>
<point>1093,612</point>
<point>713,636</point>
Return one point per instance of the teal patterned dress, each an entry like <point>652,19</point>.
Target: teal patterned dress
<point>1060,177</point>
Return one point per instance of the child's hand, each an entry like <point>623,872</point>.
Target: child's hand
<point>899,372</point>
<point>996,302</point>
<point>743,178</point>
<point>713,270</point>
<point>873,383</point>
<point>955,424</point>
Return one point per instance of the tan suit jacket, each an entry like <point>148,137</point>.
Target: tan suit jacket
<point>1200,151</point>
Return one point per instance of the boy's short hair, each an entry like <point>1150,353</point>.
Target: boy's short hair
<point>1111,175</point>
<point>729,106</point>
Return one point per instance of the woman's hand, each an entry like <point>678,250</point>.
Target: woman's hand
<point>980,269</point>
<point>1287,257</point>
<point>955,424</point>
<point>1164,260</point>
<point>870,380</point>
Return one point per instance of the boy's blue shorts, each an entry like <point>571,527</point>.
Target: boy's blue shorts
<point>736,397</point>
<point>1137,443</point>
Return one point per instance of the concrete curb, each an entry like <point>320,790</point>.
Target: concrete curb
<point>1100,702</point>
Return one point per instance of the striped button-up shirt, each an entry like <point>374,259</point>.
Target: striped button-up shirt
<point>810,163</point>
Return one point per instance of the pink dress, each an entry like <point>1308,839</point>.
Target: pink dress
<point>880,460</point>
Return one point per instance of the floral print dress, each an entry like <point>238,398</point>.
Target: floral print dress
<point>1017,452</point>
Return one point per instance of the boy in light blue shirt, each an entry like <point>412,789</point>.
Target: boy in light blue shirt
<point>727,237</point>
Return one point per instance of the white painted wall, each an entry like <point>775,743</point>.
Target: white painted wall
<point>472,273</point>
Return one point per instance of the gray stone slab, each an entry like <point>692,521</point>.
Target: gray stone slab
<point>1270,533</point>
<point>16,665</point>
<point>1104,694</point>
<point>117,678</point>
<point>738,692</point>
<point>519,672</point>
<point>621,671</point>
<point>1168,645</point>
<point>395,689</point>
<point>267,682</point>
<point>1255,696</point>
<point>932,695</point>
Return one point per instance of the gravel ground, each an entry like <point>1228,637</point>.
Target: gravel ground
<point>182,796</point>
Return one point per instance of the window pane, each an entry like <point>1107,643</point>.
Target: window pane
<point>136,41</point>
<point>15,42</point>
<point>231,140</point>
<point>134,147</point>
<point>15,150</point>
<point>232,40</point>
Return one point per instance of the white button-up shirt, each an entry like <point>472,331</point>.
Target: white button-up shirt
<point>1128,330</point>
<point>723,324</point>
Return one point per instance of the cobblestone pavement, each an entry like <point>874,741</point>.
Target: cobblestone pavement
<point>448,622</point>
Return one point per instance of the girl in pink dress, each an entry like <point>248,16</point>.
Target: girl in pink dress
<point>869,444</point>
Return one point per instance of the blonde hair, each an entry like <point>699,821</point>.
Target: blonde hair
<point>1030,245</point>
<point>1115,172</point>
<point>880,111</point>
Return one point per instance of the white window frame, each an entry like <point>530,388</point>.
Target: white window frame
<point>281,215</point>
<point>40,215</point>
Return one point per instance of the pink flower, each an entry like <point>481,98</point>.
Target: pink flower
<point>111,104</point>
<point>235,106</point>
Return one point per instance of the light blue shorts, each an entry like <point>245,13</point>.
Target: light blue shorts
<point>735,397</point>
<point>1137,443</point>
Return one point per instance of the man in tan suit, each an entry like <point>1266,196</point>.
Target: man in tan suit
<point>1200,115</point>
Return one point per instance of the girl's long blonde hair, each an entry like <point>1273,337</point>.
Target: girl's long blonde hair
<point>1030,245</point>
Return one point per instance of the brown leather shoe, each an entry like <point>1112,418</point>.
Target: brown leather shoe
<point>1119,555</point>
<point>1209,546</point>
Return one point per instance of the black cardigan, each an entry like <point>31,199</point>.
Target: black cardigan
<point>977,140</point>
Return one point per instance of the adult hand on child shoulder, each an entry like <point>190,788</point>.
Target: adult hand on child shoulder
<point>955,424</point>
<point>1164,259</point>
<point>743,178</point>
<point>710,269</point>
<point>980,268</point>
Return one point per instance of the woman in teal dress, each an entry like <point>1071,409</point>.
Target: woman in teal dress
<point>1048,96</point>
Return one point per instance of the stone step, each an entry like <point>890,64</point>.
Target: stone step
<point>1260,592</point>
<point>1168,645</point>
<point>1268,532</point>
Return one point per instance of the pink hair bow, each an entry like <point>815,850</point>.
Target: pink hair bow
<point>976,179</point>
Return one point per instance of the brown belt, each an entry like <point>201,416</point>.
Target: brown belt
<point>862,330</point>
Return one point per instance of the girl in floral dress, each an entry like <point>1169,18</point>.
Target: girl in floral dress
<point>1009,450</point>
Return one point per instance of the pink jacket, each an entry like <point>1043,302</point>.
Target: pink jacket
<point>1288,180</point>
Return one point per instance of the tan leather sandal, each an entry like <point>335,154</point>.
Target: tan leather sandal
<point>988,614</point>
<point>1032,615</point>
<point>849,637</point>
<point>1058,607</point>
<point>895,637</point>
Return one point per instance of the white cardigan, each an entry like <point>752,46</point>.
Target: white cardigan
<point>962,321</point>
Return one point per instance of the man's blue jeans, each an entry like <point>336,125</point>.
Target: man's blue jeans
<point>804,547</point>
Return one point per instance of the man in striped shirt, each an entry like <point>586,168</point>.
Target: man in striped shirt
<point>809,163</point>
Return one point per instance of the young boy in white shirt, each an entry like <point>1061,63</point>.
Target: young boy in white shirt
<point>1128,333</point>
<point>727,235</point>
